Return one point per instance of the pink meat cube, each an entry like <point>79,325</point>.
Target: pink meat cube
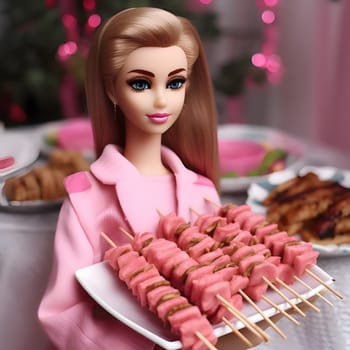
<point>261,232</point>
<point>189,237</point>
<point>256,292</point>
<point>238,282</point>
<point>170,264</point>
<point>144,286</point>
<point>209,302</point>
<point>269,239</point>
<point>126,271</point>
<point>167,226</point>
<point>279,244</point>
<point>154,298</point>
<point>265,269</point>
<point>201,247</point>
<point>305,261</point>
<point>236,301</point>
<point>226,233</point>
<point>291,251</point>
<point>252,221</point>
<point>212,257</point>
<point>243,236</point>
<point>233,212</point>
<point>285,273</point>
<point>242,217</point>
<point>181,316</point>
<point>190,340</point>
<point>140,240</point>
<point>142,276</point>
<point>179,272</point>
<point>246,265</point>
<point>242,252</point>
<point>166,307</point>
<point>196,274</point>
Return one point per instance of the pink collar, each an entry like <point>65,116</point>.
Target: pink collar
<point>112,167</point>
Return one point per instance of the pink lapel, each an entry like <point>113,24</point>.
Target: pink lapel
<point>113,169</point>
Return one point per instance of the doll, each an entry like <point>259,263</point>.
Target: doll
<point>151,103</point>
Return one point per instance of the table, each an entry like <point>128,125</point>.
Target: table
<point>26,244</point>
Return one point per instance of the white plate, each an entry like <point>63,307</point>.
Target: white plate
<point>111,293</point>
<point>20,146</point>
<point>257,192</point>
<point>272,137</point>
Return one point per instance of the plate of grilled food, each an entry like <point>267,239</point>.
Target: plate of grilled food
<point>313,203</point>
<point>40,187</point>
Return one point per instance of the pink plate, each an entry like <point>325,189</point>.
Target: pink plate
<point>239,156</point>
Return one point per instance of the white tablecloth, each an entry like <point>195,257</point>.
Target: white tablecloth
<point>26,242</point>
<point>327,330</point>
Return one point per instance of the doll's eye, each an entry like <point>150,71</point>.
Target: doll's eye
<point>139,84</point>
<point>176,83</point>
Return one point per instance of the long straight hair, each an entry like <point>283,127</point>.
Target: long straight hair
<point>194,135</point>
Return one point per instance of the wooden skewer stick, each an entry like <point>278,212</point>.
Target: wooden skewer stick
<point>278,308</point>
<point>237,332</point>
<point>209,345</point>
<point>318,279</point>
<point>257,308</point>
<point>108,240</point>
<point>194,211</point>
<point>159,213</point>
<point>298,295</point>
<point>212,202</point>
<point>250,325</point>
<point>295,307</point>
<point>126,233</point>
<point>310,288</point>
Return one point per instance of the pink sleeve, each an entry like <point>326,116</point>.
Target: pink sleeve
<point>69,316</point>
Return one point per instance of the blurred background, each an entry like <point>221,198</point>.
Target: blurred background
<point>277,63</point>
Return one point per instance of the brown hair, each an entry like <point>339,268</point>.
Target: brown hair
<point>194,135</point>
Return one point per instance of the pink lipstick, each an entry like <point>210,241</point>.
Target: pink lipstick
<point>158,118</point>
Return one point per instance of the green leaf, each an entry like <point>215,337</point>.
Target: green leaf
<point>269,158</point>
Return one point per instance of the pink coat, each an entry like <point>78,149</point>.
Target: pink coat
<point>109,196</point>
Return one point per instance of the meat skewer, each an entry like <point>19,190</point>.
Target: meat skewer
<point>167,232</point>
<point>184,328</point>
<point>163,267</point>
<point>211,242</point>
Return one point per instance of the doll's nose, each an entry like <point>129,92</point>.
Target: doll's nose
<point>160,99</point>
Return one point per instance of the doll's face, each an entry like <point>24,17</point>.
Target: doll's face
<point>150,89</point>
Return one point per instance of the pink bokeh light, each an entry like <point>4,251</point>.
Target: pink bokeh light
<point>205,2</point>
<point>268,16</point>
<point>89,5</point>
<point>69,21</point>
<point>273,63</point>
<point>259,60</point>
<point>94,20</point>
<point>67,49</point>
<point>271,3</point>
